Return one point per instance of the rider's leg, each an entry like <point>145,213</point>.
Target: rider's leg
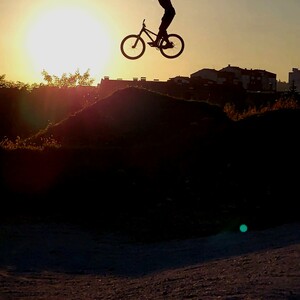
<point>167,20</point>
<point>165,23</point>
<point>161,34</point>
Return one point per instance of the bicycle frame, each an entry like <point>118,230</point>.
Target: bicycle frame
<point>147,32</point>
<point>133,46</point>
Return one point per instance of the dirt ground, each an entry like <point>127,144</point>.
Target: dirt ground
<point>62,261</point>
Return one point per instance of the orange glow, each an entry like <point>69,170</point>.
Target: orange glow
<point>64,39</point>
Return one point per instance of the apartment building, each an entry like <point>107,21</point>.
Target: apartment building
<point>252,80</point>
<point>230,84</point>
<point>294,80</point>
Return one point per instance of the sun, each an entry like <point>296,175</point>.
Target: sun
<point>65,39</point>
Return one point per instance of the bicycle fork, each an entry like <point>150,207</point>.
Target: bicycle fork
<point>138,37</point>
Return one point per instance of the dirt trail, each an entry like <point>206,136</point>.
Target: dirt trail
<point>59,261</point>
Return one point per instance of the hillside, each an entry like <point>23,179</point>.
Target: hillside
<point>158,167</point>
<point>135,116</point>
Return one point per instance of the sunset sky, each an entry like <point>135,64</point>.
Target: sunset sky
<point>65,35</point>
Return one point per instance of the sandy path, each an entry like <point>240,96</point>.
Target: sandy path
<point>59,261</point>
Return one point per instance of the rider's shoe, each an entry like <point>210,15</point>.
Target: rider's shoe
<point>153,44</point>
<point>168,45</point>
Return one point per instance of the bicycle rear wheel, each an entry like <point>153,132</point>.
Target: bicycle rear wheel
<point>177,46</point>
<point>133,46</point>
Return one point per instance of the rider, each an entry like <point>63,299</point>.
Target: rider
<point>165,22</point>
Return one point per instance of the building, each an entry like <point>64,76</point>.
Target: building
<point>230,84</point>
<point>210,74</point>
<point>252,80</point>
<point>294,80</point>
<point>108,86</point>
<point>177,86</point>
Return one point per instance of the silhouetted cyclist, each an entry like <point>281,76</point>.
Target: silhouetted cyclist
<point>165,23</point>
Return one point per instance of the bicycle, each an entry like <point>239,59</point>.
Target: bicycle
<point>133,46</point>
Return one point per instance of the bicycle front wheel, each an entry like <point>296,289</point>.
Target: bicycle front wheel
<point>176,47</point>
<point>133,46</point>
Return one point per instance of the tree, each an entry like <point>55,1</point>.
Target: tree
<point>11,84</point>
<point>2,81</point>
<point>71,80</point>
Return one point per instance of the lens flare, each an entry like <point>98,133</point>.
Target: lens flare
<point>243,228</point>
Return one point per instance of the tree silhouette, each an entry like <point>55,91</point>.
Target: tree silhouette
<point>11,84</point>
<point>71,80</point>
